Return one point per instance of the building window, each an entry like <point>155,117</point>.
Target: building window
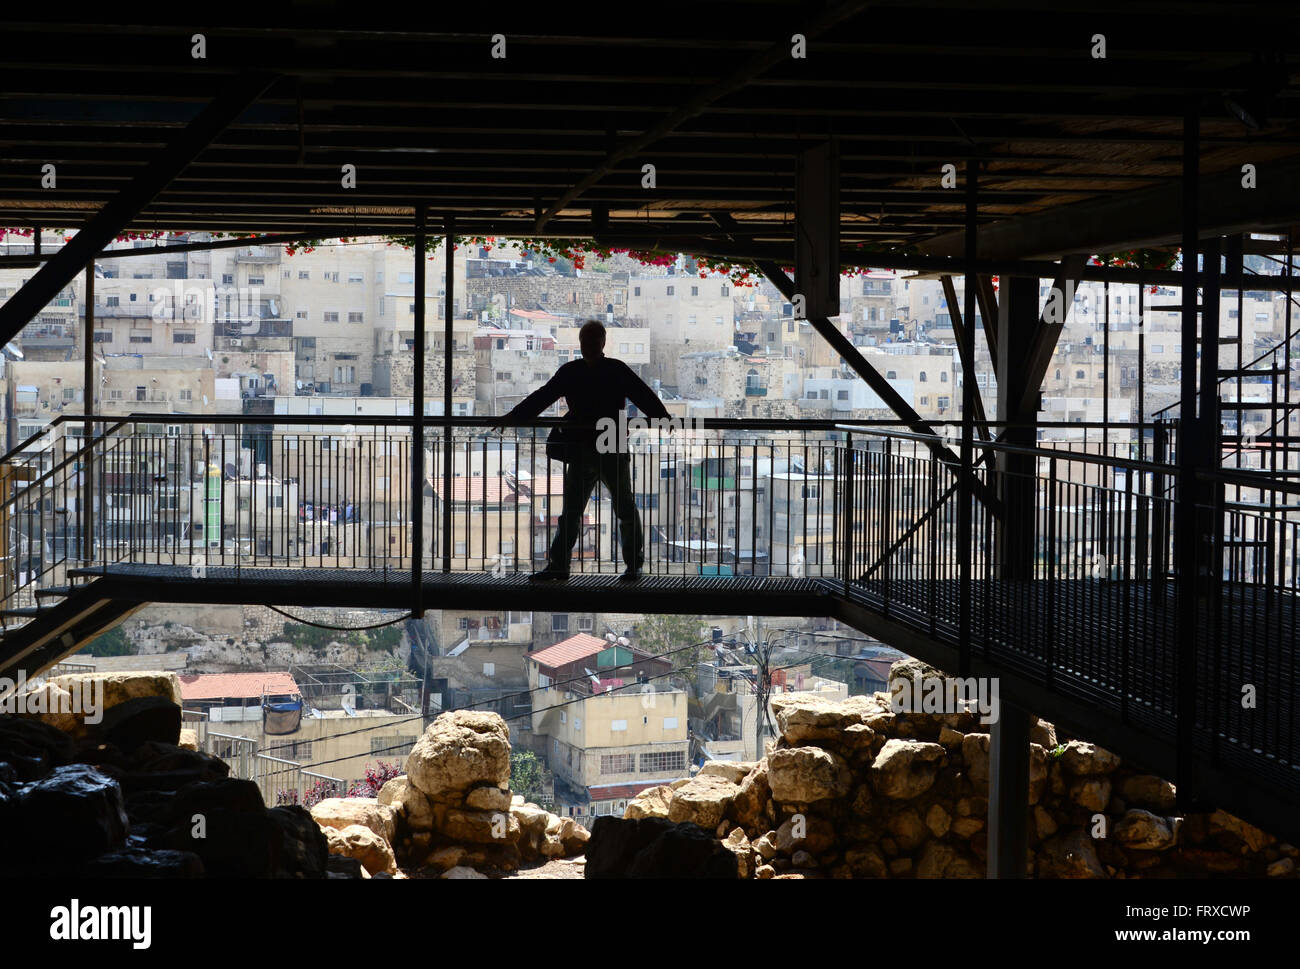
<point>304,274</point>
<point>183,336</point>
<point>356,318</point>
<point>671,290</point>
<point>695,291</point>
<point>636,290</point>
<point>356,278</point>
<point>103,336</point>
<point>585,624</point>
<point>489,669</point>
<point>1078,375</point>
<point>922,377</point>
<point>560,622</point>
<point>661,761</point>
<point>331,317</point>
<point>891,374</point>
<point>617,763</point>
<point>726,291</point>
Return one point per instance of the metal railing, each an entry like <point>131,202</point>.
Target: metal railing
<point>1071,575</point>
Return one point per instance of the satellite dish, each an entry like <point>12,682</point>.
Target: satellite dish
<point>595,680</point>
<point>231,470</point>
<point>299,384</point>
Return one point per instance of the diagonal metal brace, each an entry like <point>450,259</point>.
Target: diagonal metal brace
<point>117,213</point>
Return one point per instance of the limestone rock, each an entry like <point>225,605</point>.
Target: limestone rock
<point>965,827</point>
<point>488,798</point>
<point>1141,829</point>
<point>975,751</point>
<point>1255,839</point>
<point>907,830</point>
<point>481,827</point>
<point>460,750</point>
<point>446,858</point>
<point>1091,793</point>
<point>1281,868</point>
<point>73,814</point>
<point>1043,734</point>
<point>803,775</point>
<point>906,768</point>
<point>738,845</point>
<point>1070,855</point>
<point>532,820</point>
<point>809,717</point>
<point>1044,823</point>
<point>749,807</point>
<point>938,820</point>
<point>189,739</point>
<point>1085,759</point>
<point>1150,792</point>
<point>704,801</point>
<point>355,841</point>
<point>462,872</point>
<point>410,804</point>
<point>651,803</point>
<point>653,848</point>
<point>729,770</point>
<point>818,836</point>
<point>866,861</point>
<point>340,812</point>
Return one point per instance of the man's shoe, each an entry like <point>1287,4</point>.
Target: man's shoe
<point>550,574</point>
<point>630,574</point>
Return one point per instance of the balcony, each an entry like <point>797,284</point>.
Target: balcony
<point>261,254</point>
<point>49,335</point>
<point>753,390</point>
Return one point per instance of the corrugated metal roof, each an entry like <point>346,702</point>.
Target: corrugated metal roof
<point>569,650</point>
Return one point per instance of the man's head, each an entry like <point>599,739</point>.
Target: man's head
<point>592,340</point>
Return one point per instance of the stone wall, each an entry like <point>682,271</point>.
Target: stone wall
<point>853,789</point>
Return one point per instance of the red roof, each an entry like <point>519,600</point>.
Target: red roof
<point>617,792</point>
<point>218,686</point>
<point>488,489</point>
<point>568,651</point>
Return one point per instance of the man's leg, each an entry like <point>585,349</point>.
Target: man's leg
<point>579,478</point>
<point>617,474</point>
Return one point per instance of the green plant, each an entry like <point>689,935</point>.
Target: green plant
<point>111,643</point>
<point>528,777</point>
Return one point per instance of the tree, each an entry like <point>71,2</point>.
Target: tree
<point>527,776</point>
<point>660,634</point>
<point>111,643</point>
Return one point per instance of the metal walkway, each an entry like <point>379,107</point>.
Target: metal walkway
<point>1097,635</point>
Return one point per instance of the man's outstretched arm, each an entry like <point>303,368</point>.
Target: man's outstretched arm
<point>536,402</point>
<point>646,400</point>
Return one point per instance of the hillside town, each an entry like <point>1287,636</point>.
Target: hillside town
<point>606,702</point>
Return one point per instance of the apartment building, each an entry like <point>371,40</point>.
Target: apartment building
<point>608,720</point>
<point>682,314</point>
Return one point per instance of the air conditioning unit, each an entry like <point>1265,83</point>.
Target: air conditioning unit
<point>236,342</point>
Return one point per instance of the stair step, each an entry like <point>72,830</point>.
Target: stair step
<point>55,590</point>
<point>25,612</point>
<point>1257,405</point>
<point>1270,372</point>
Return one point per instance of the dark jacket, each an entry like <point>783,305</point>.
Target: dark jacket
<point>592,393</point>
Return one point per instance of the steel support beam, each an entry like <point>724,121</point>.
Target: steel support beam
<point>417,422</point>
<point>966,480</point>
<point>105,224</point>
<point>1190,442</point>
<point>1018,388</point>
<point>88,406</point>
<point>449,249</point>
<point>1140,218</point>
<point>967,363</point>
<point>767,59</point>
<point>1009,792</point>
<point>1048,331</point>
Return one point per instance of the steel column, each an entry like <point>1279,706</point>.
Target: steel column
<point>88,407</point>
<point>417,422</point>
<point>1189,443</point>
<point>1008,792</point>
<point>965,524</point>
<point>449,249</point>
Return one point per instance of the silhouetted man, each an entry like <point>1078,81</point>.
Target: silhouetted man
<point>595,389</point>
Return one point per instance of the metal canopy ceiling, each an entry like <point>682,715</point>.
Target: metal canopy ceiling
<point>551,139</point>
